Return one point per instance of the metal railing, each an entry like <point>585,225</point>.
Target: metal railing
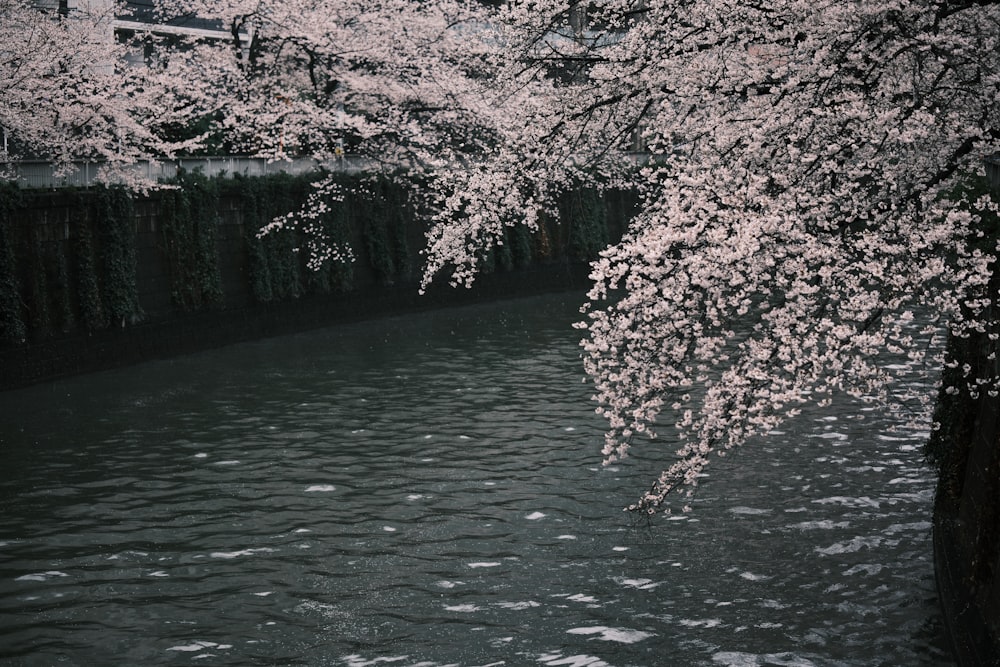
<point>42,174</point>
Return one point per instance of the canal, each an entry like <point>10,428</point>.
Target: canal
<point>428,491</point>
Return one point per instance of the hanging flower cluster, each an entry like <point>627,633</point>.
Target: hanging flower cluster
<point>800,177</point>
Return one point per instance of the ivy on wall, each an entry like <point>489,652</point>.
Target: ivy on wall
<point>274,269</point>
<point>189,220</point>
<point>114,220</point>
<point>68,258</point>
<point>37,284</point>
<point>385,213</point>
<point>585,212</point>
<point>84,275</point>
<point>12,326</point>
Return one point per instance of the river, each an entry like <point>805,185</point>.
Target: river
<point>428,491</point>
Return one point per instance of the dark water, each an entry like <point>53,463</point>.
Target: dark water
<point>428,491</point>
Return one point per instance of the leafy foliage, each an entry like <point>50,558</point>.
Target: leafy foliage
<point>189,228</point>
<point>115,221</point>
<point>12,327</point>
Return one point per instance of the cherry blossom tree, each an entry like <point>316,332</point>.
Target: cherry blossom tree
<point>67,92</point>
<point>801,194</point>
<point>392,81</point>
<point>800,165</point>
<point>387,84</point>
<point>406,88</point>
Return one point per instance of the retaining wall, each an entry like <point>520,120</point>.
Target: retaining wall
<point>77,296</point>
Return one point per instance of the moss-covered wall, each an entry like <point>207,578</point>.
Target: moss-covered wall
<point>78,268</point>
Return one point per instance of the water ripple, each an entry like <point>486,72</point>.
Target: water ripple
<point>428,491</point>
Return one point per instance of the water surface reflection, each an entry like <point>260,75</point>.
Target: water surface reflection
<point>428,491</point>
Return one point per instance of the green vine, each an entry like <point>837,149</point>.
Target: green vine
<point>189,230</point>
<point>385,214</point>
<point>249,191</point>
<point>12,327</point>
<point>88,293</point>
<point>39,316</point>
<point>586,214</point>
<point>62,287</point>
<point>518,240</point>
<point>115,221</point>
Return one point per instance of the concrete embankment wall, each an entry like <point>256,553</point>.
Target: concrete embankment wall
<point>97,278</point>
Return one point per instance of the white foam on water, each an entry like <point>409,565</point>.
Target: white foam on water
<point>900,527</point>
<point>734,659</point>
<point>242,552</point>
<point>199,646</point>
<point>566,537</point>
<point>700,623</point>
<point>389,529</point>
<point>519,606</point>
<point>851,546</point>
<point>201,455</point>
<point>558,659</point>
<point>231,462</point>
<point>606,634</point>
<point>414,496</point>
<point>740,659</point>
<point>861,501</point>
<point>464,437</point>
<point>750,576</point>
<point>829,435</point>
<point>825,524</point>
<point>301,530</point>
<point>355,660</point>
<point>462,608</point>
<point>580,597</point>
<point>569,429</point>
<point>749,510</point>
<point>444,583</point>
<point>41,576</point>
<point>483,564</point>
<point>866,568</point>
<point>535,516</point>
<point>264,594</point>
<point>619,548</point>
<point>158,573</point>
<point>320,488</point>
<point>641,584</point>
<point>773,604</point>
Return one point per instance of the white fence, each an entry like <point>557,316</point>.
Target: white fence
<point>41,174</point>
